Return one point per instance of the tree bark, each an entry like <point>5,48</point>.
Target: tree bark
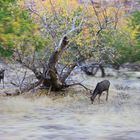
<point>51,74</point>
<point>89,69</point>
<point>70,69</point>
<point>102,70</point>
<point>50,78</point>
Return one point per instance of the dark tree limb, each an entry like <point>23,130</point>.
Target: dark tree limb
<point>102,70</point>
<point>79,84</point>
<point>32,67</point>
<point>64,69</point>
<point>74,84</point>
<point>51,70</point>
<point>25,89</point>
<point>89,70</point>
<point>96,13</point>
<point>70,69</point>
<point>14,84</point>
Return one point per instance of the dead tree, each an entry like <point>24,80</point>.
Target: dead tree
<point>51,72</point>
<point>92,69</point>
<point>50,77</point>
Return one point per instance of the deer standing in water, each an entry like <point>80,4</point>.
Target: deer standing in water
<point>2,76</point>
<point>100,87</point>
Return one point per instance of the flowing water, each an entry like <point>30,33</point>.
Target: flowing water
<point>73,117</point>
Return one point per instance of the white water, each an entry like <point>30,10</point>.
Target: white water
<point>73,117</point>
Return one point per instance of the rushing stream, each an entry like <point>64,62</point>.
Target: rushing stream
<point>73,117</point>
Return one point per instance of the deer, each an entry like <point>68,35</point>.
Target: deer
<point>100,87</point>
<point>2,76</point>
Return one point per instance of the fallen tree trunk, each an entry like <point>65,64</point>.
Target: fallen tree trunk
<point>92,69</point>
<point>102,70</point>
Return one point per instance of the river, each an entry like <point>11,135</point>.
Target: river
<point>73,117</point>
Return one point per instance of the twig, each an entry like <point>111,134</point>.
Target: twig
<point>16,85</point>
<point>96,13</point>
<point>21,83</point>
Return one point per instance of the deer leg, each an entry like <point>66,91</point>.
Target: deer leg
<point>107,95</point>
<point>99,98</point>
<point>92,98</point>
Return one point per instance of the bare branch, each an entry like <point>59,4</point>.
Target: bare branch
<point>96,13</point>
<point>116,18</point>
<point>53,8</point>
<point>70,69</point>
<point>75,28</point>
<point>21,83</point>
<point>15,84</point>
<point>74,84</point>
<point>25,89</point>
<point>43,19</point>
<point>63,69</point>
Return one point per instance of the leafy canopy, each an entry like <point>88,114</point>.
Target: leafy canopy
<point>17,29</point>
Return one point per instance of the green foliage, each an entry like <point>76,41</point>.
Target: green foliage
<point>17,30</point>
<point>135,24</point>
<point>125,41</point>
<point>133,50</point>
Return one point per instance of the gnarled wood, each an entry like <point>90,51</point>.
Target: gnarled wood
<point>70,69</point>
<point>51,71</point>
<point>92,69</point>
<point>25,89</point>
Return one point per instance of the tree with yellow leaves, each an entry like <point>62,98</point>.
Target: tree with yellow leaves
<point>65,34</point>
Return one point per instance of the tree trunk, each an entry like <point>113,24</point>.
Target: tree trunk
<point>52,77</point>
<point>92,69</point>
<point>102,70</point>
